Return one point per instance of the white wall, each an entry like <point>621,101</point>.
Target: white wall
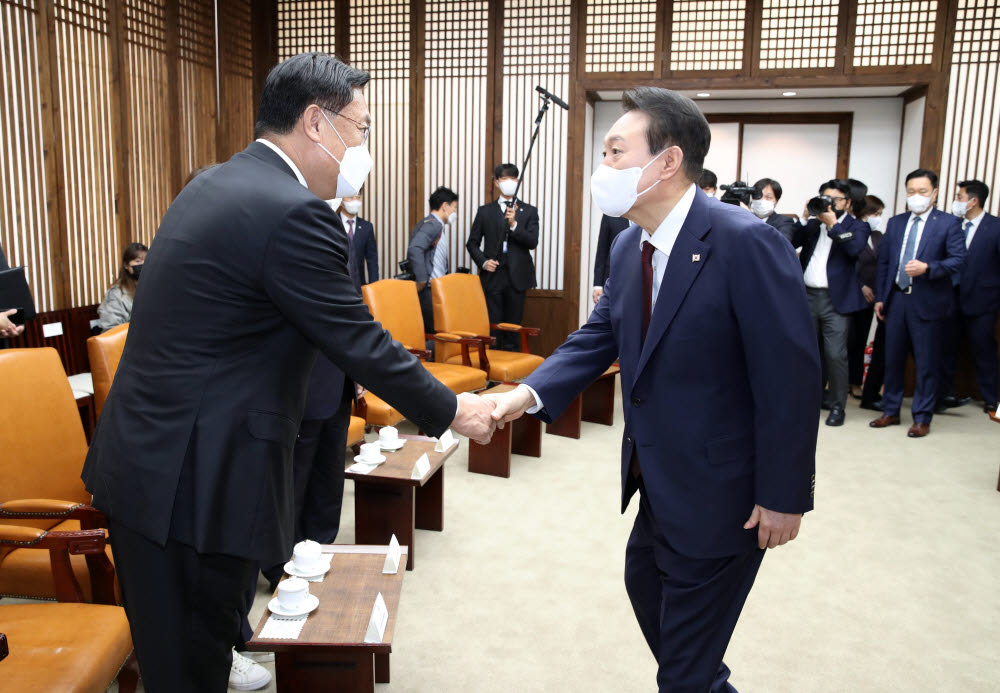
<point>909,155</point>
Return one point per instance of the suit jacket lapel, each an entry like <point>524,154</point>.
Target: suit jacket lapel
<point>931,228</point>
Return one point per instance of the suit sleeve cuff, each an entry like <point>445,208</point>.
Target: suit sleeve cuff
<point>538,400</point>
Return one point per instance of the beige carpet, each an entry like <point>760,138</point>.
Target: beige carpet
<point>892,585</point>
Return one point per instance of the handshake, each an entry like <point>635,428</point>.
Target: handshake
<point>478,417</point>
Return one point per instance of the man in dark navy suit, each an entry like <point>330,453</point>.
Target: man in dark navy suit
<point>362,246</point>
<point>831,243</point>
<point>720,378</point>
<point>919,261</point>
<point>978,295</point>
<point>610,228</point>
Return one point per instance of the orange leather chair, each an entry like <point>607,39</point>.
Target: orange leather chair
<point>356,432</point>
<point>65,646</point>
<point>40,470</point>
<point>394,303</point>
<point>460,309</point>
<point>105,351</point>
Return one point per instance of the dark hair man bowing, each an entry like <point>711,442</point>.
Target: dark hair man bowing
<point>500,243</point>
<point>706,308</point>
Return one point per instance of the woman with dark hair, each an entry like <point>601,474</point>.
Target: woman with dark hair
<point>116,308</point>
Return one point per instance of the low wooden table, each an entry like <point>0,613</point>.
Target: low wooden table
<point>521,437</point>
<point>595,404</point>
<point>387,501</point>
<point>331,653</point>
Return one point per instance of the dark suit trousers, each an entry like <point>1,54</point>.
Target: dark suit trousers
<point>504,303</point>
<point>905,331</point>
<point>872,389</point>
<point>832,328</point>
<point>427,309</point>
<point>687,607</point>
<point>980,331</point>
<point>183,608</point>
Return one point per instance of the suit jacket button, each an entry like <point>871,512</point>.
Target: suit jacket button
<point>628,441</point>
<point>636,401</point>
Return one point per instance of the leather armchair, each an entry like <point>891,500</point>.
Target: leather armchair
<point>105,351</point>
<point>460,309</point>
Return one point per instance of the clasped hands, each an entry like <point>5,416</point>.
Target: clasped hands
<point>478,417</point>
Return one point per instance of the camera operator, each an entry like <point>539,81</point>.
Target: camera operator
<point>831,240</point>
<point>763,208</point>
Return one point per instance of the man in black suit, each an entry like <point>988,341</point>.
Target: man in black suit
<point>428,260</point>
<point>764,207</point>
<point>977,298</point>
<point>610,228</point>
<point>363,248</point>
<point>506,269</point>
<point>247,278</point>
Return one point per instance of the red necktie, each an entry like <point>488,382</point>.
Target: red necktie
<point>647,286</point>
<point>350,230</point>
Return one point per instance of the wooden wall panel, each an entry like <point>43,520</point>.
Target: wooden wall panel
<point>197,89</point>
<point>621,36</point>
<point>237,109</point>
<point>708,35</point>
<point>897,33</point>
<point>798,34</point>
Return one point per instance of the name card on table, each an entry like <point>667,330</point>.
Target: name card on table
<point>446,440</point>
<point>392,556</point>
<point>378,621</point>
<point>52,329</point>
<point>421,468</point>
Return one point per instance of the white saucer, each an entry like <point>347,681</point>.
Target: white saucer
<point>369,463</point>
<point>310,604</point>
<point>295,572</point>
<point>392,448</point>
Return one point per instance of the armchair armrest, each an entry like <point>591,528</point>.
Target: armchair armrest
<point>48,509</point>
<point>524,331</point>
<point>60,545</point>
<point>361,407</point>
<point>465,340</point>
<point>488,339</point>
<point>422,354</point>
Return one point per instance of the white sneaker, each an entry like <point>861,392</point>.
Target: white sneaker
<point>259,657</point>
<point>246,674</point>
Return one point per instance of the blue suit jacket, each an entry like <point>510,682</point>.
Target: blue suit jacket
<point>849,237</point>
<point>721,399</point>
<point>979,285</point>
<point>364,253</point>
<point>942,247</point>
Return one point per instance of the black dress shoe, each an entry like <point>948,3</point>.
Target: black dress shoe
<point>950,402</point>
<point>874,406</point>
<point>990,408</point>
<point>836,417</point>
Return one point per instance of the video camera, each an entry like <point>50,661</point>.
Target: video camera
<point>740,193</point>
<point>819,204</point>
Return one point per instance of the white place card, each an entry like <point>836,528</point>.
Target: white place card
<point>421,468</point>
<point>378,621</point>
<point>446,440</point>
<point>52,329</point>
<point>392,556</point>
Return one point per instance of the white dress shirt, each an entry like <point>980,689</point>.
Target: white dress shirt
<point>972,231</point>
<point>906,235</point>
<point>663,240</point>
<point>815,274</point>
<point>277,150</point>
<point>439,263</point>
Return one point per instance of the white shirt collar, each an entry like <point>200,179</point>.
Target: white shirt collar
<point>975,222</point>
<point>923,217</point>
<point>666,233</point>
<point>277,150</point>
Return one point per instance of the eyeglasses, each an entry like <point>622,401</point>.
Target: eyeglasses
<point>365,129</point>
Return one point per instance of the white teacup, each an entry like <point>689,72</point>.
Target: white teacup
<point>388,436</point>
<point>308,557</point>
<point>292,593</point>
<point>371,451</point>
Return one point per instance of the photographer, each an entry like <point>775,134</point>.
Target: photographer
<point>831,240</point>
<point>763,208</point>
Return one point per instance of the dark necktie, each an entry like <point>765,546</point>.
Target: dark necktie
<point>968,227</point>
<point>903,280</point>
<point>350,228</point>
<point>647,286</point>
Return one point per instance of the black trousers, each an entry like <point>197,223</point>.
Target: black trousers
<point>872,389</point>
<point>183,608</point>
<point>504,303</point>
<point>427,309</point>
<point>980,332</point>
<point>687,607</point>
<point>857,342</point>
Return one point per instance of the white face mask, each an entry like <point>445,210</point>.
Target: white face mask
<point>875,223</point>
<point>508,187</point>
<point>762,208</point>
<point>616,190</point>
<point>352,206</point>
<point>354,167</point>
<point>452,218</point>
<point>918,204</point>
<point>959,208</point>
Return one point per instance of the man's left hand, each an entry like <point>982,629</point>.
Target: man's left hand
<point>828,218</point>
<point>509,215</point>
<point>914,268</point>
<point>773,528</point>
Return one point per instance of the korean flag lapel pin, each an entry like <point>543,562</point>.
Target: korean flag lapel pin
<point>696,257</point>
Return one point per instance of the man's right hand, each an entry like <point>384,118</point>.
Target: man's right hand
<point>598,292</point>
<point>878,311</point>
<point>474,418</point>
<point>869,294</point>
<point>7,328</point>
<point>511,406</point>
<point>491,265</point>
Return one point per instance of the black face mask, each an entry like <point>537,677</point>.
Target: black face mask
<point>135,270</point>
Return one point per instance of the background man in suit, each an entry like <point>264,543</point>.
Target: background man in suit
<point>191,459</point>
<point>871,384</point>
<point>919,262</point>
<point>500,243</point>
<point>720,381</point>
<point>423,253</point>
<point>610,228</point>
<point>978,297</point>
<point>708,182</point>
<point>830,245</point>
<point>764,207</point>
<point>363,249</point>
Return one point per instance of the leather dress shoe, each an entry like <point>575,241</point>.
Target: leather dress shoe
<point>950,402</point>
<point>873,406</point>
<point>884,420</point>
<point>919,430</point>
<point>836,417</point>
<point>990,408</point>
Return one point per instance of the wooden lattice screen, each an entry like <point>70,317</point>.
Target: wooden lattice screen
<point>798,34</point>
<point>707,35</point>
<point>897,33</point>
<point>621,36</point>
